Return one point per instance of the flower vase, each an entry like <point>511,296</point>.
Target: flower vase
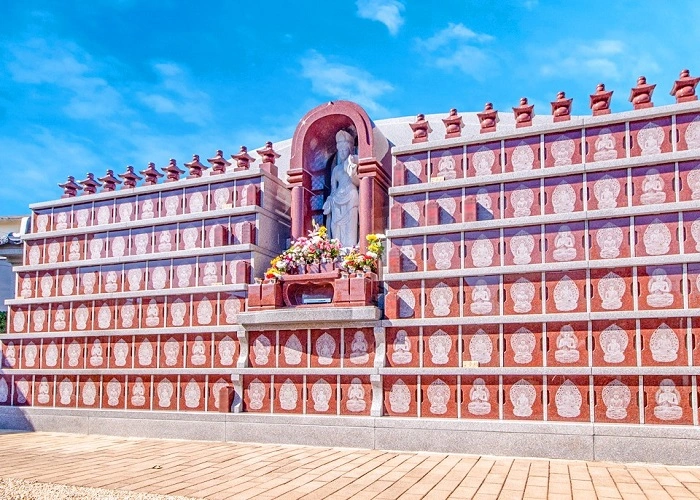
<point>314,268</point>
<point>327,267</point>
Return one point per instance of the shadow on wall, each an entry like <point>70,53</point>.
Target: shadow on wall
<point>13,397</point>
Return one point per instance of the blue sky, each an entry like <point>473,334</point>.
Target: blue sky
<point>87,86</point>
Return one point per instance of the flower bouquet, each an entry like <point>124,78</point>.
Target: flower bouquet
<point>315,249</point>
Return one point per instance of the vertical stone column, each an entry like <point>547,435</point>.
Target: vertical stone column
<point>366,210</point>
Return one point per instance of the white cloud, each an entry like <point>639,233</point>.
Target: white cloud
<point>176,95</point>
<point>68,67</point>
<point>530,4</point>
<point>341,81</point>
<point>602,59</point>
<point>387,12</point>
<point>457,47</point>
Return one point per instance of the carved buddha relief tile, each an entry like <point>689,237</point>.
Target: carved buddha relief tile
<point>523,344</point>
<point>113,392</point>
<point>355,395</point>
<point>522,199</point>
<point>566,292</point>
<point>650,137</point>
<point>444,252</point>
<point>488,200</point>
<point>442,298</point>
<point>565,242</point>
<point>139,392</point>
<point>562,150</point>
<point>89,391</point>
<point>293,349</point>
<point>612,289</point>
<point>146,351</point>
<point>664,341</point>
<point>660,287</point>
<point>165,392</point>
<point>257,393</point>
<point>66,391</point>
<point>226,349</point>
<point>289,394</point>
<point>522,294</point>
<point>172,351</point>
<point>322,395</point>
<point>688,127</point>
<point>192,393</point>
<point>199,350</point>
<point>480,344</point>
<point>438,396</point>
<point>482,295</point>
<point>567,343</point>
<point>653,185</point>
<point>440,346</point>
<point>447,164</point>
<point>403,346</point>
<point>605,143</point>
<point>325,347</point>
<point>484,159</point>
<point>668,400</point>
<point>522,245</point>
<point>480,396</point>
<point>563,195</point>
<point>522,155</point>
<point>656,235</point>
<point>359,347</point>
<point>617,399</point>
<point>609,239</point>
<point>523,398</point>
<point>614,342</point>
<point>44,390</point>
<point>400,395</point>
<point>568,398</point>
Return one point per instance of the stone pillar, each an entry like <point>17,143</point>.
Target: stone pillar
<point>297,212</point>
<point>366,210</point>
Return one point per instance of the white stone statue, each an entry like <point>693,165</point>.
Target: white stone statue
<point>668,401</point>
<point>659,288</point>
<point>479,396</point>
<point>342,205</point>
<point>652,188</point>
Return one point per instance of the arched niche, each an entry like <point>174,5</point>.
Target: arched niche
<point>313,148</point>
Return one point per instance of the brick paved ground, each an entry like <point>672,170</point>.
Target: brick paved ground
<point>230,470</point>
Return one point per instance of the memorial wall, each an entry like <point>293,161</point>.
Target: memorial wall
<point>542,269</point>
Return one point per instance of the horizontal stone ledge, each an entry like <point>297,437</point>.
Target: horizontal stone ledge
<point>181,184</point>
<point>309,317</point>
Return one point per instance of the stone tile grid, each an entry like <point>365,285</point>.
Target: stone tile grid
<point>238,470</point>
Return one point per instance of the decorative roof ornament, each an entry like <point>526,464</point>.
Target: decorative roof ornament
<point>268,154</point>
<point>109,182</point>
<point>172,171</point>
<point>640,96</point>
<point>90,184</point>
<point>421,129</point>
<point>488,118</point>
<point>130,177</point>
<point>151,174</point>
<point>561,108</point>
<point>70,187</point>
<point>523,113</point>
<point>684,88</point>
<point>600,101</point>
<point>218,163</point>
<point>196,167</point>
<point>241,160</point>
<point>453,124</point>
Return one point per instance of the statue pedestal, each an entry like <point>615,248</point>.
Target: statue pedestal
<point>322,289</point>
